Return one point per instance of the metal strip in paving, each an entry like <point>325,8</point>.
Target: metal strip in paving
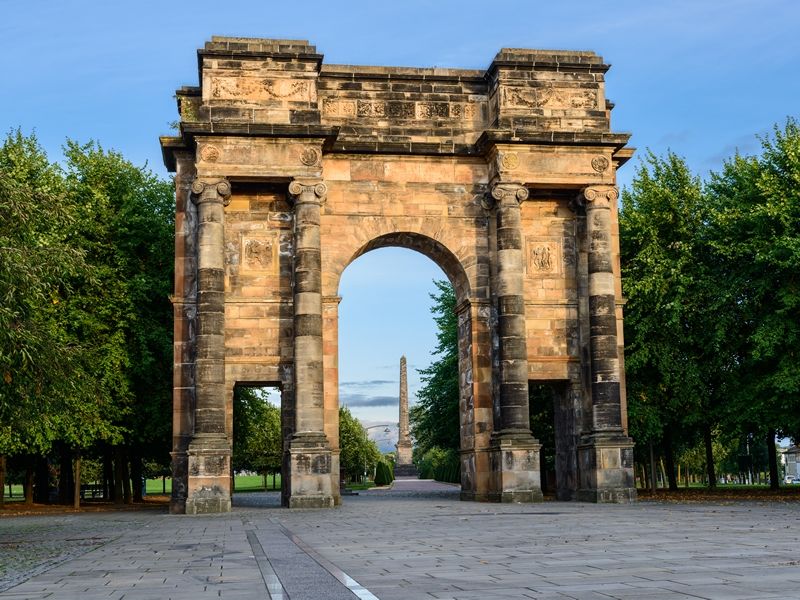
<point>275,589</point>
<point>351,584</point>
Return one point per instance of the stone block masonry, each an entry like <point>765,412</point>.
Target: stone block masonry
<point>289,168</point>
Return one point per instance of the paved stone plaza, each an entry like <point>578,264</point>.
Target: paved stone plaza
<point>406,545</point>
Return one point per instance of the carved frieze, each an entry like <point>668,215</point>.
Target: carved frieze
<point>259,88</point>
<point>433,110</point>
<point>342,108</point>
<point>332,107</point>
<point>549,97</point>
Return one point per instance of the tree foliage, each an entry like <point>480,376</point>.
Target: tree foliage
<point>257,444</point>
<point>85,318</point>
<point>434,418</point>
<point>358,453</point>
<point>710,272</point>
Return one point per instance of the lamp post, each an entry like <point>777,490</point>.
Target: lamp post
<point>366,442</point>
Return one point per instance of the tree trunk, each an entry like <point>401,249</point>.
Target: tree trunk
<point>126,477</point>
<point>66,481</point>
<point>2,479</point>
<point>41,487</point>
<point>136,476</point>
<point>774,483</point>
<point>118,475</point>
<point>669,459</point>
<point>29,481</point>
<point>76,494</point>
<point>710,470</point>
<point>653,482</point>
<point>164,484</point>
<point>109,489</point>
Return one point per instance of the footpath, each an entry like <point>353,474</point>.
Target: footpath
<point>407,543</point>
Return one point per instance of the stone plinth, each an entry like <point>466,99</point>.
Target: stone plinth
<point>606,470</point>
<point>208,489</point>
<point>515,468</point>
<point>311,466</point>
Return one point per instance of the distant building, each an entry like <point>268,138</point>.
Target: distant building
<point>791,461</point>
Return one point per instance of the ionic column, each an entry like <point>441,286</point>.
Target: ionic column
<point>511,309</point>
<point>209,451</point>
<point>308,306</point>
<point>310,453</point>
<point>515,452</point>
<point>605,455</point>
<point>211,198</point>
<point>605,376</point>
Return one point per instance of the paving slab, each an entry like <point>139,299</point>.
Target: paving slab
<point>406,543</point>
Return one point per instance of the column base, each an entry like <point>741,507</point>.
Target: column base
<point>606,469</point>
<point>514,459</point>
<point>209,482</point>
<point>311,466</point>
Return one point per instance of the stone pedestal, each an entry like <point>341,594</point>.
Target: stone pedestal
<point>515,468</point>
<point>209,458</point>
<point>403,467</point>
<point>606,470</point>
<point>311,466</point>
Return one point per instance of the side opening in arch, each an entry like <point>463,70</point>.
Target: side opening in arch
<point>257,445</point>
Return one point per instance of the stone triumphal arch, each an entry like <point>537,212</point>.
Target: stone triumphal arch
<point>288,168</point>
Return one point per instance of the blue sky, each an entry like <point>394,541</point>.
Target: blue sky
<point>702,77</point>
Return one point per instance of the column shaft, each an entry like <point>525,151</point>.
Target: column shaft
<point>514,458</point>
<point>311,464</point>
<point>209,453</point>
<point>308,308</point>
<point>210,361</point>
<point>607,415</point>
<point>511,309</point>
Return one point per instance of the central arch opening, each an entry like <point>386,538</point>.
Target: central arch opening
<point>388,293</point>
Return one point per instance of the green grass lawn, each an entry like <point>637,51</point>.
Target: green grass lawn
<point>244,483</point>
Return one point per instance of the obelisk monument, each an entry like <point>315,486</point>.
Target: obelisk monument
<point>403,467</point>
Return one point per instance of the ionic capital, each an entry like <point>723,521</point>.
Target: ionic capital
<point>598,196</point>
<point>308,190</point>
<point>506,192</point>
<point>217,190</point>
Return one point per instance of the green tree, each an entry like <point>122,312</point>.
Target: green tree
<point>358,454</point>
<point>756,232</point>
<point>434,418</point>
<point>679,352</point>
<point>124,224</point>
